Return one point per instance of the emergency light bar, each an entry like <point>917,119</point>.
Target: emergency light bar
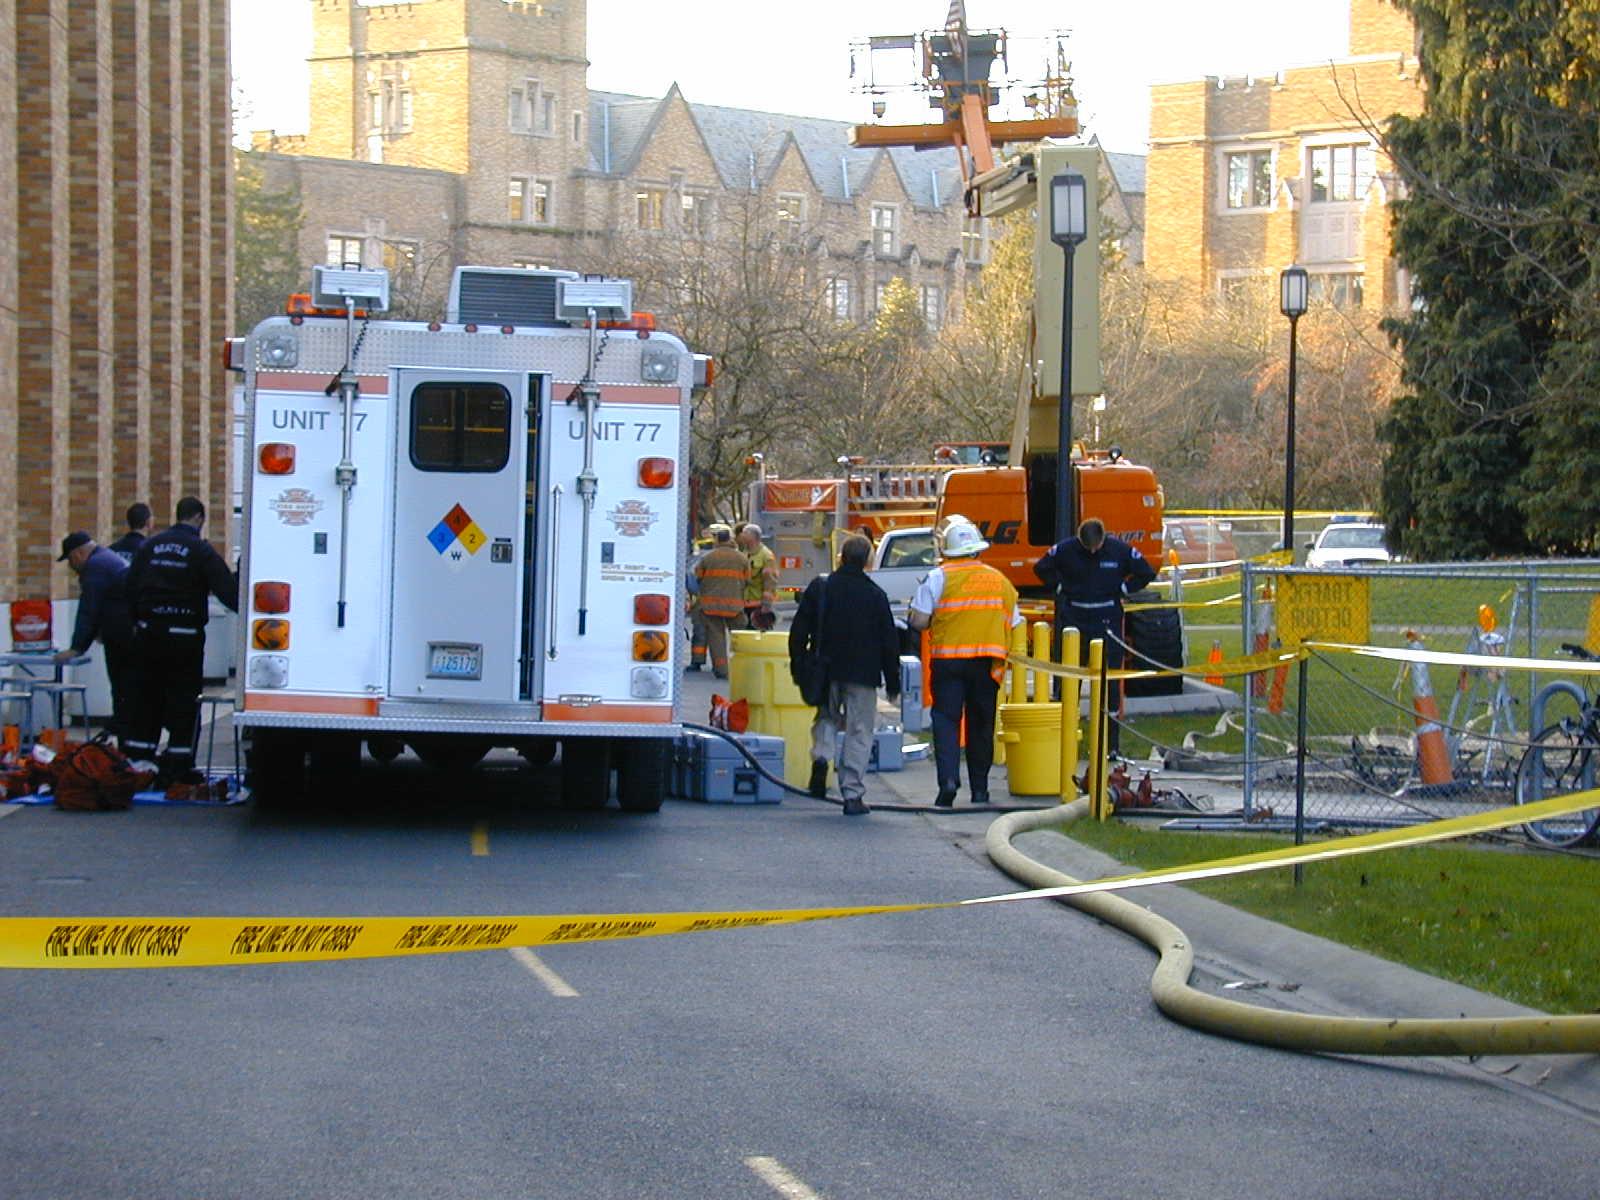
<point>368,289</point>
<point>610,299</point>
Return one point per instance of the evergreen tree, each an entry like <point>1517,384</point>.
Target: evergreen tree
<point>1492,446</point>
<point>266,229</point>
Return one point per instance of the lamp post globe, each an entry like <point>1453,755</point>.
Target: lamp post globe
<point>1069,225</point>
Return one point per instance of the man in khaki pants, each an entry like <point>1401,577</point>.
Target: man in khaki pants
<point>845,618</point>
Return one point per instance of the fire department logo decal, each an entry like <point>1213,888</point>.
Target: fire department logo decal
<point>633,518</point>
<point>295,506</point>
<point>457,536</point>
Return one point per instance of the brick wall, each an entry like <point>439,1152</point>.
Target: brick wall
<point>8,284</point>
<point>114,176</point>
<point>1192,235</point>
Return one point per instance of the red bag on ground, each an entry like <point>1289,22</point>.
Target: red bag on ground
<point>96,777</point>
<point>734,716</point>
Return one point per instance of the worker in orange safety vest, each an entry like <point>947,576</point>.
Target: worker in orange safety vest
<point>722,574</point>
<point>970,609</point>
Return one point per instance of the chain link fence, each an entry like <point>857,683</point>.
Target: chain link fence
<point>1371,754</point>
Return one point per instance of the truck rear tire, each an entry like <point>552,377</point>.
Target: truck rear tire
<point>449,752</point>
<point>1158,634</point>
<point>642,769</point>
<point>585,773</point>
<point>276,767</point>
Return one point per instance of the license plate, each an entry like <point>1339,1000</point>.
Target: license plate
<point>454,660</point>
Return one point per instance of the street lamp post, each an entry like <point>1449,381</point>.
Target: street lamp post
<point>1292,297</point>
<point>1069,225</point>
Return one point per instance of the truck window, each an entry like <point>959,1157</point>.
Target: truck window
<point>460,427</point>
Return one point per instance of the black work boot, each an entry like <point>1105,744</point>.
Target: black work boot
<point>818,786</point>
<point>855,806</point>
<point>946,797</point>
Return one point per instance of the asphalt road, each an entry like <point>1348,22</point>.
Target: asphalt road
<point>997,1051</point>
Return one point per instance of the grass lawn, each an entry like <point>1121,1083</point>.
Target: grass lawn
<point>1522,925</point>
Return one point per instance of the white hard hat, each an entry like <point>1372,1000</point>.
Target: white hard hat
<point>961,539</point>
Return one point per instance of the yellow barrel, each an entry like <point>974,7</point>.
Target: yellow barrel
<point>1033,748</point>
<point>758,672</point>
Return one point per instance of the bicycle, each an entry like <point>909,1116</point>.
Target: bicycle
<point>1563,758</point>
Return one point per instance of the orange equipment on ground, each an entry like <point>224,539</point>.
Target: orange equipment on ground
<point>1214,658</point>
<point>1433,753</point>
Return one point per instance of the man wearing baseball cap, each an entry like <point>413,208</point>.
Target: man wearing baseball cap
<point>102,613</point>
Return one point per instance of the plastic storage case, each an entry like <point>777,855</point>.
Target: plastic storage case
<point>708,769</point>
<point>888,753</point>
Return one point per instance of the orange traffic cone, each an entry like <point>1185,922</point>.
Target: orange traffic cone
<point>1214,658</point>
<point>1433,754</point>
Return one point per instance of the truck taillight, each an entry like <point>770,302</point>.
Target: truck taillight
<point>650,646</point>
<point>655,472</point>
<point>271,597</point>
<point>267,671</point>
<point>233,354</point>
<point>277,458</point>
<point>652,608</point>
<point>270,633</point>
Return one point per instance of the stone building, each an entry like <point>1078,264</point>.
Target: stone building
<point>1248,175</point>
<point>115,271</point>
<point>452,131</point>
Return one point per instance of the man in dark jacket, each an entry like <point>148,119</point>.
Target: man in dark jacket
<point>169,583</point>
<point>139,518</point>
<point>1091,574</point>
<point>102,613</point>
<point>845,618</point>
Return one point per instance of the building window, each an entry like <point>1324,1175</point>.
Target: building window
<point>1249,176</point>
<point>975,240</point>
<point>932,305</point>
<point>344,250</point>
<point>530,201</point>
<point>878,294</point>
<point>532,110</point>
<point>389,107</point>
<point>1342,289</point>
<point>694,215</point>
<point>577,128</point>
<point>838,298</point>
<point>400,257</point>
<point>883,231</point>
<point>651,206</point>
<point>1339,173</point>
<point>791,208</point>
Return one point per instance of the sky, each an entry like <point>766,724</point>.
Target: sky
<point>795,58</point>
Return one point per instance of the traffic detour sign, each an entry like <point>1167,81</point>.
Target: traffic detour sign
<point>203,941</point>
<point>1324,607</point>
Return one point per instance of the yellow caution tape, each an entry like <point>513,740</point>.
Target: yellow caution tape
<point>116,942</point>
<point>1446,658</point>
<point>236,941</point>
<point>1231,601</point>
<point>1248,664</point>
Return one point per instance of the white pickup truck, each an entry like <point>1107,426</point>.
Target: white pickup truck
<point>900,560</point>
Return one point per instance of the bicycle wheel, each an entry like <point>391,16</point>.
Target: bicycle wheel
<point>1560,761</point>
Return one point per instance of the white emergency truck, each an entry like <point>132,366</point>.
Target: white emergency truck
<point>464,534</point>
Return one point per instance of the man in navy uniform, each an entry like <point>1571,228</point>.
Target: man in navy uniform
<point>102,614</point>
<point>1091,574</point>
<point>169,584</point>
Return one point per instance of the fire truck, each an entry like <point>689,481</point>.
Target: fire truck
<point>464,534</point>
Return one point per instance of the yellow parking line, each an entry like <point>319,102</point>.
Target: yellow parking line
<point>480,840</point>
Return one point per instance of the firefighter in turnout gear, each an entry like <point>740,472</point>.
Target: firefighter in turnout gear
<point>722,574</point>
<point>970,609</point>
<point>172,576</point>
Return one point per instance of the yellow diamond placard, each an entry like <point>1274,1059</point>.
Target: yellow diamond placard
<point>472,537</point>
